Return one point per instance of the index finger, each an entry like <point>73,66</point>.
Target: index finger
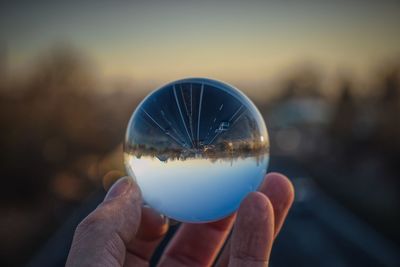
<point>280,192</point>
<point>253,232</point>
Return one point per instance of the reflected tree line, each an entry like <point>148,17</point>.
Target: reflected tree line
<point>224,150</point>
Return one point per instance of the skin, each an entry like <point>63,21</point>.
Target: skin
<point>120,232</point>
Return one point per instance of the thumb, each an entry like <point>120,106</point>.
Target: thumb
<point>100,239</point>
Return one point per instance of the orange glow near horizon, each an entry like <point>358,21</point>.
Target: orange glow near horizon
<point>237,42</point>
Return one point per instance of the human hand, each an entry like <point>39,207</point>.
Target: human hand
<point>120,232</point>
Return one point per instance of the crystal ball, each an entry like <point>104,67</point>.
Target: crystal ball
<point>196,147</point>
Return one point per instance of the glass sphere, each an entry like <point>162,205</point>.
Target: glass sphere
<point>196,147</point>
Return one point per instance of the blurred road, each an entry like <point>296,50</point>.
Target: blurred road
<point>318,232</point>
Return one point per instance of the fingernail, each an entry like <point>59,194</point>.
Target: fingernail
<point>164,218</point>
<point>119,188</point>
<point>155,214</point>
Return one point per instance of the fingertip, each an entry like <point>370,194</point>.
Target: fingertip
<point>280,192</point>
<point>253,232</point>
<point>256,200</point>
<point>151,215</point>
<point>256,203</point>
<point>278,186</point>
<point>276,177</point>
<point>153,225</point>
<point>121,208</point>
<point>124,186</point>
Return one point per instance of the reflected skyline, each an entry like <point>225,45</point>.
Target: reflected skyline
<point>225,150</point>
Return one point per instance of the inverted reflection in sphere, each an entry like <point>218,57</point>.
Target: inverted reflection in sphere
<point>196,148</point>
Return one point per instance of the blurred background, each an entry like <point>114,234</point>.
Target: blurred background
<point>325,76</point>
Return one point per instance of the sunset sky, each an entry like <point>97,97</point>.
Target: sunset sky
<point>229,40</point>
